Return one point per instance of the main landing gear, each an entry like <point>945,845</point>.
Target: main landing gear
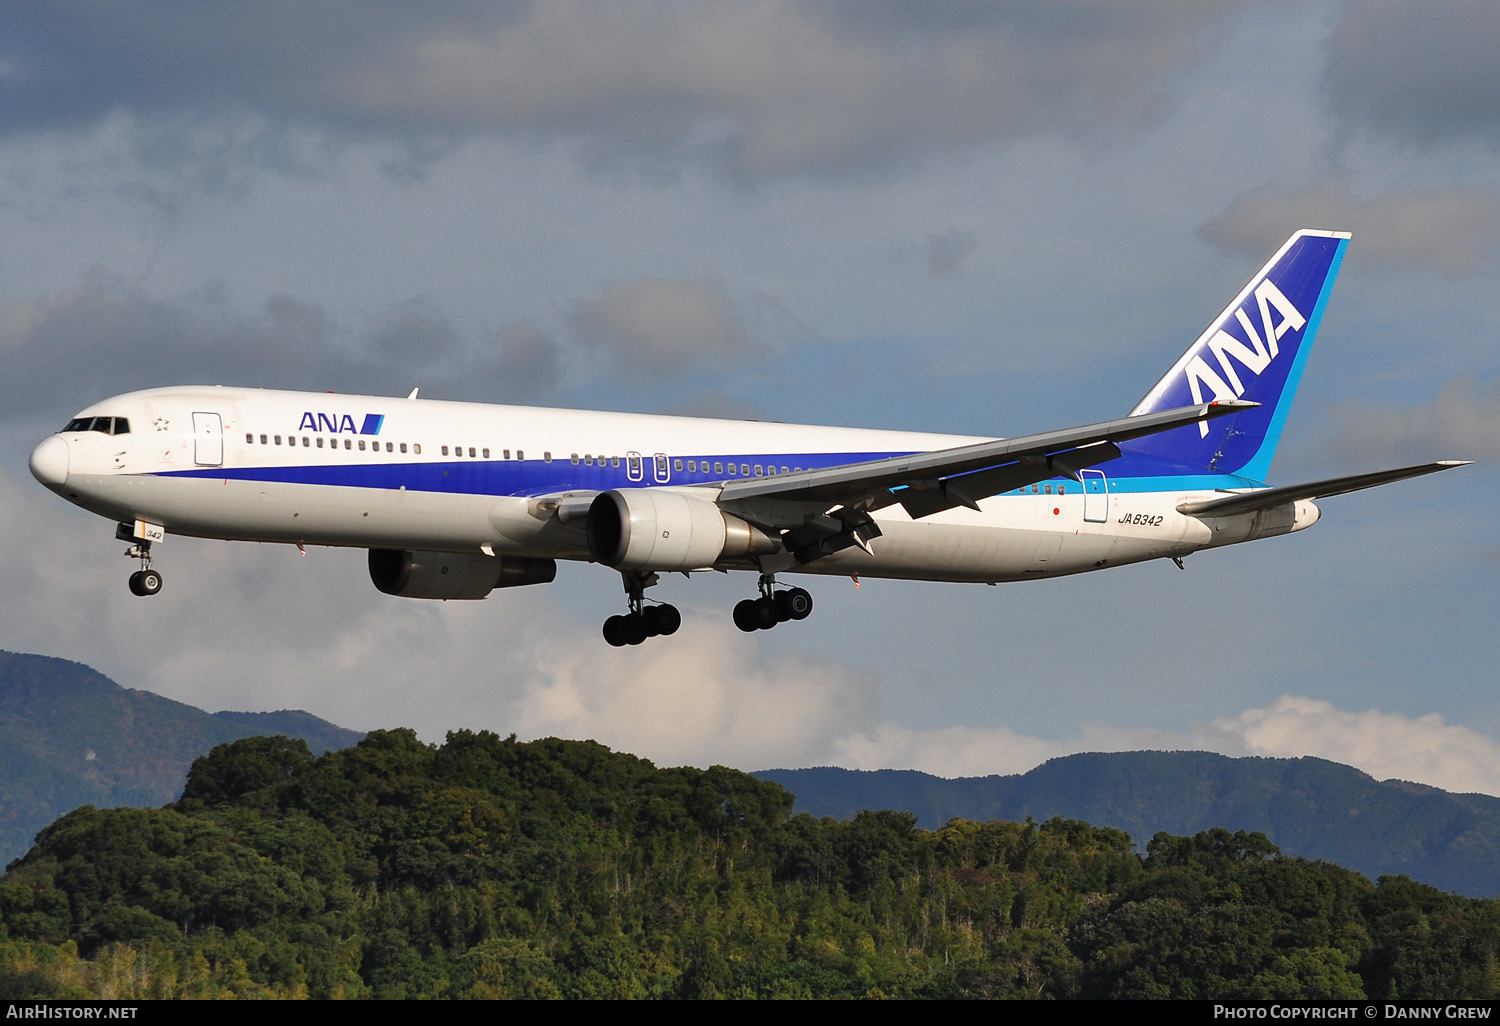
<point>642,621</point>
<point>772,607</point>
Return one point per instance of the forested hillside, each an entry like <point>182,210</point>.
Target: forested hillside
<point>487,867</point>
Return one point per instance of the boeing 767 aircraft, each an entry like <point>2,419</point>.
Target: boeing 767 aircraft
<point>453,500</point>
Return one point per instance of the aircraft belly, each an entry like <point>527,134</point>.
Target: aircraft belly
<point>323,515</point>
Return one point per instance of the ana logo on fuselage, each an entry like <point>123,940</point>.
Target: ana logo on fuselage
<point>1255,356</point>
<point>341,423</point>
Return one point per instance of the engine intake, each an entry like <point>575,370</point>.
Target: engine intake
<point>453,575</point>
<point>658,529</point>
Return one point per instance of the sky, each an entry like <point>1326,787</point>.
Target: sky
<point>989,219</point>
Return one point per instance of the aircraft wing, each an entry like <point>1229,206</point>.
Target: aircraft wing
<point>1265,498</point>
<point>928,482</point>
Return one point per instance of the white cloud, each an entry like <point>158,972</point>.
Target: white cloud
<point>1423,749</point>
<point>703,697</point>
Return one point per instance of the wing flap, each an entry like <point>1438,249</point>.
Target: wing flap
<point>1265,498</point>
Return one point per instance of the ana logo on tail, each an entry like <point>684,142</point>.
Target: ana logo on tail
<point>1255,355</point>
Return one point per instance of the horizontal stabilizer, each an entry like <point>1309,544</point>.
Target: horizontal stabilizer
<point>1266,498</point>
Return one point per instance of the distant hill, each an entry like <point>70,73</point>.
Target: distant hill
<point>1309,807</point>
<point>70,736</point>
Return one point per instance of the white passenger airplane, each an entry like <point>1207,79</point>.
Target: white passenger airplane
<point>454,499</point>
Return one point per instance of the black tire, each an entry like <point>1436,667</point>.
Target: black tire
<point>745,616</point>
<point>150,582</point>
<point>765,614</point>
<point>668,619</point>
<point>651,620</point>
<point>135,584</point>
<point>614,631</point>
<point>798,603</point>
<point>635,629</point>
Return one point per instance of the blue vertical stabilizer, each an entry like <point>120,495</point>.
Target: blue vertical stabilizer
<point>1254,350</point>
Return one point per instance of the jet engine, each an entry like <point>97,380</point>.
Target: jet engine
<point>657,529</point>
<point>453,575</point>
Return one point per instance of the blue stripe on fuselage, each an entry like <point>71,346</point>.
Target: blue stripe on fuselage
<point>1132,472</point>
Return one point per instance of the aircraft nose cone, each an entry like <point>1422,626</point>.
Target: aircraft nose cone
<point>49,462</point>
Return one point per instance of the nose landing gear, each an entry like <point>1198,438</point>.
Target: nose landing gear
<point>773,607</point>
<point>144,581</point>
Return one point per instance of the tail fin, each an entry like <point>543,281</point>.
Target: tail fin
<point>1254,350</point>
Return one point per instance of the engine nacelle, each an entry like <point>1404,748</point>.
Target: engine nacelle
<point>658,529</point>
<point>453,575</point>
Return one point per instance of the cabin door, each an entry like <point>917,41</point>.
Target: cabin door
<point>1095,496</point>
<point>208,440</point>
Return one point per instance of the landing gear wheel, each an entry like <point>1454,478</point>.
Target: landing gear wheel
<point>668,619</point>
<point>145,582</point>
<point>651,619</point>
<point>765,613</point>
<point>635,629</point>
<point>614,632</point>
<point>794,604</point>
<point>746,618</point>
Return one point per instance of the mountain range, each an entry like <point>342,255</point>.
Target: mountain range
<point>70,736</point>
<point>1309,807</point>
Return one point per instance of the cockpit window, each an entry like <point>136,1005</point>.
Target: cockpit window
<point>104,425</point>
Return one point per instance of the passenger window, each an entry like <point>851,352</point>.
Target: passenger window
<point>262,439</point>
<point>731,470</point>
<point>306,442</point>
<point>614,461</point>
<point>320,441</point>
<point>486,454</point>
<point>677,466</point>
<point>693,466</point>
<point>719,468</point>
<point>759,471</point>
<point>249,439</point>
<point>661,468</point>
<point>505,454</point>
<point>361,445</point>
<point>390,446</point>
<point>546,457</point>
<point>783,470</point>
<point>1061,490</point>
<point>745,469</point>
<point>445,450</point>
<point>574,458</point>
<point>348,443</point>
<point>471,450</point>
<point>403,446</point>
<point>520,455</point>
<point>1047,488</point>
